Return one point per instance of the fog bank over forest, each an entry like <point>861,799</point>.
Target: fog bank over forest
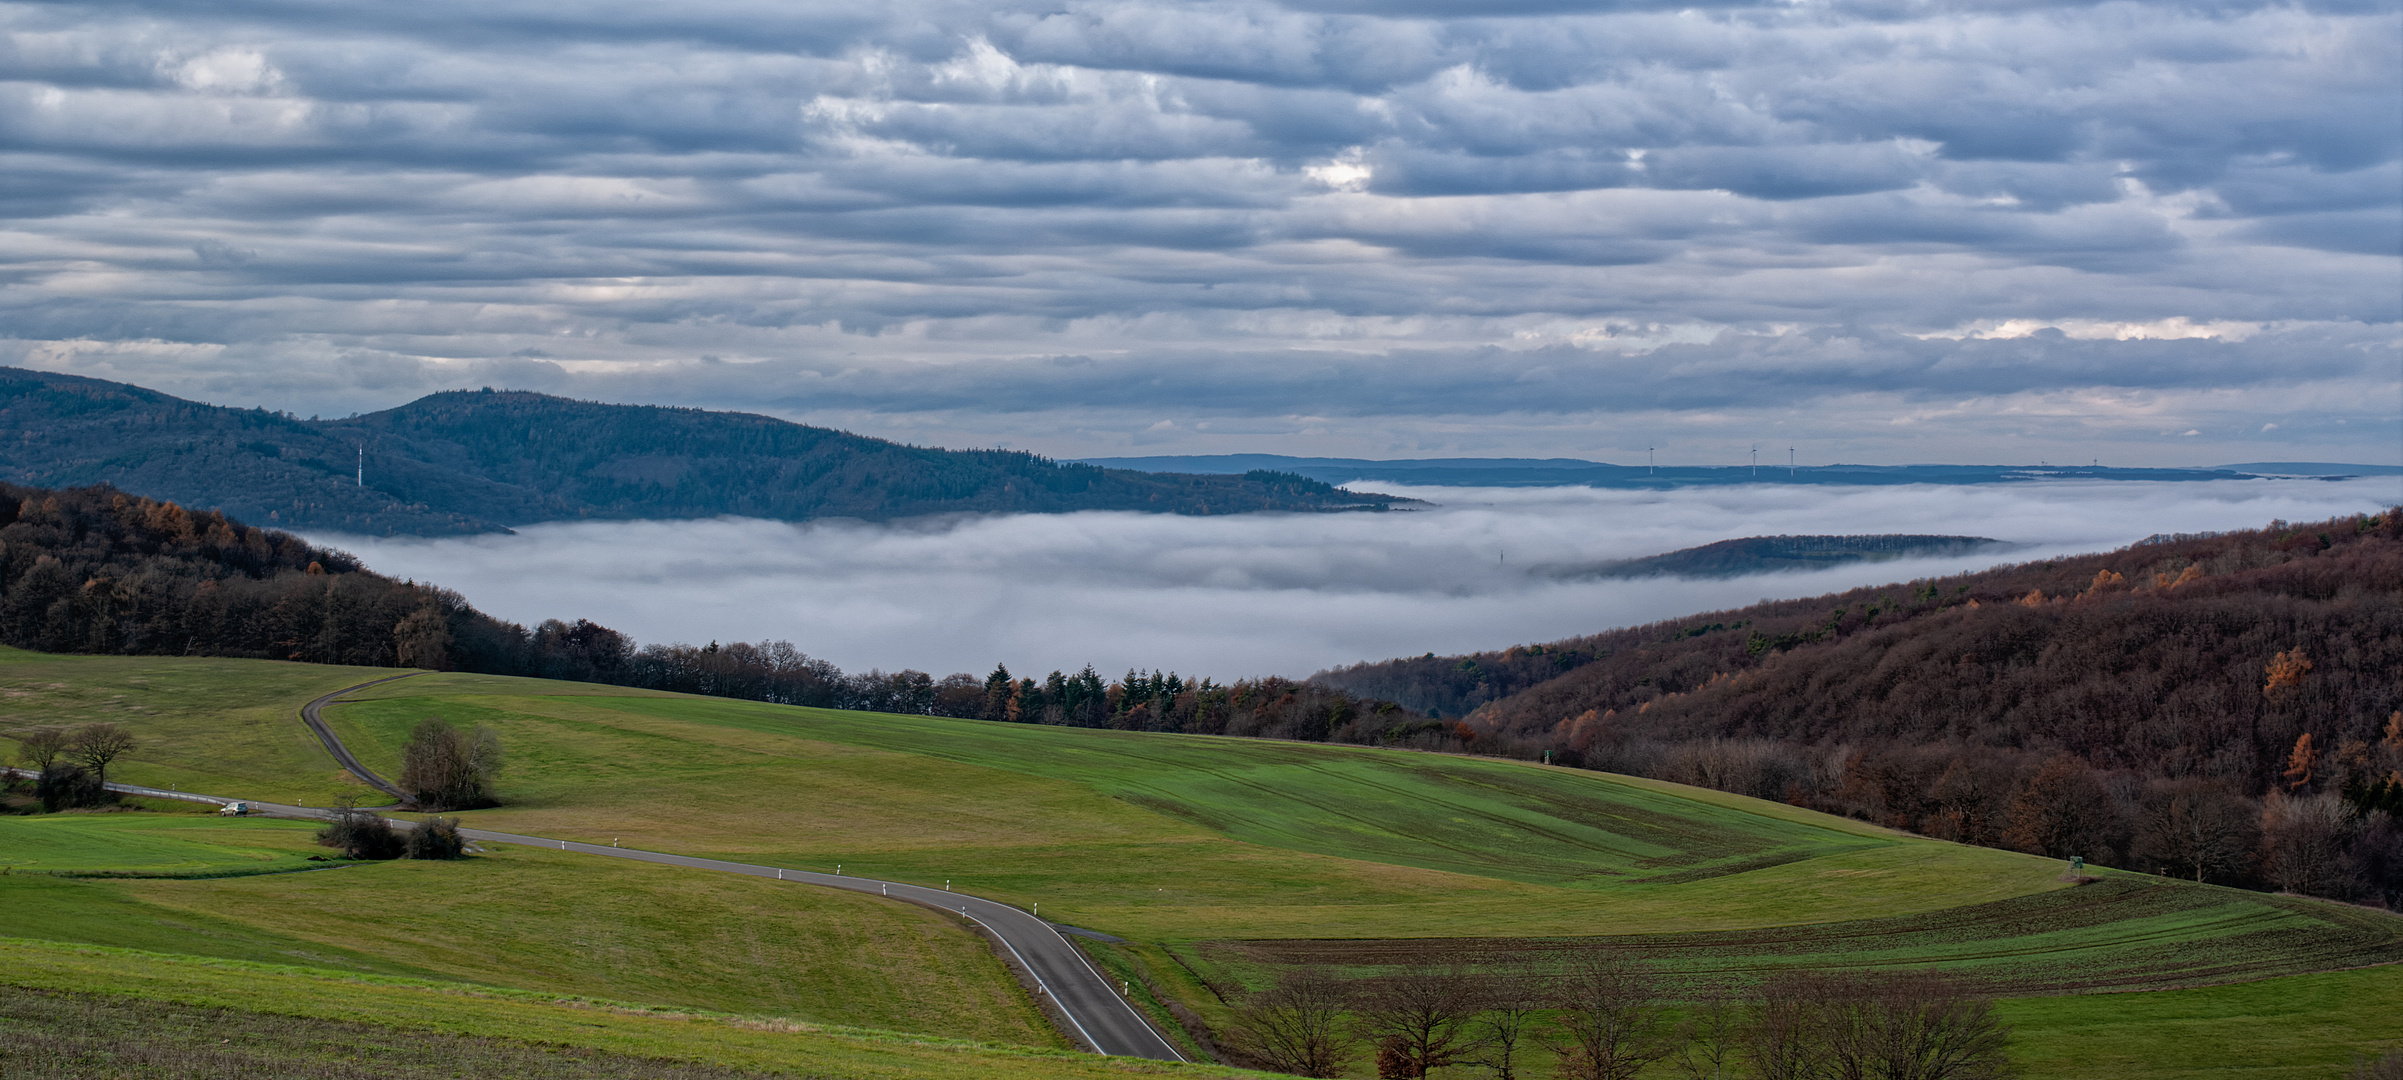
<point>1268,594</point>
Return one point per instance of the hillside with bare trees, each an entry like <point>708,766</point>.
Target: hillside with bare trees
<point>2223,707</point>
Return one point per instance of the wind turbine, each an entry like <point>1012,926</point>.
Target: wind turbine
<point>1648,460</point>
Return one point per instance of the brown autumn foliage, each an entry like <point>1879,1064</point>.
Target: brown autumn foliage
<point>2042,706</point>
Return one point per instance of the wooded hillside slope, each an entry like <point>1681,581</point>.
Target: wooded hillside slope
<point>479,461</point>
<point>2242,678</point>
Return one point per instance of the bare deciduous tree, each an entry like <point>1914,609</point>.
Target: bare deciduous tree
<point>1425,1019</point>
<point>39,746</point>
<point>1927,1027</point>
<point>2302,842</point>
<point>443,769</point>
<point>1297,1025</point>
<point>1903,1026</point>
<point>1708,1041</point>
<point>1609,1024</point>
<point>96,745</point>
<point>1506,1024</point>
<point>2198,829</point>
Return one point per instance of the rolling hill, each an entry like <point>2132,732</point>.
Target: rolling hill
<point>479,461</point>
<point>1217,862</point>
<point>1770,554</point>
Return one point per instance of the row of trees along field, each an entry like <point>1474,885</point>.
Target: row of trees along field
<point>1601,1019</point>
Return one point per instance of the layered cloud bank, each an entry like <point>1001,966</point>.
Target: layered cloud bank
<point>2151,232</point>
<point>1259,594</point>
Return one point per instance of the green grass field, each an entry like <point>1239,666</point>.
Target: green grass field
<point>1221,860</point>
<point>1156,837</point>
<point>561,923</point>
<point>205,724</point>
<point>153,845</point>
<point>591,1021</point>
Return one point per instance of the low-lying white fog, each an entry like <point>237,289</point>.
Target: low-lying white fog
<point>1260,594</point>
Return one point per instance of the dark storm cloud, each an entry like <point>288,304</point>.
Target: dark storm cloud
<point>1449,215</point>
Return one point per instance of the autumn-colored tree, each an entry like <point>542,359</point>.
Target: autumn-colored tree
<point>2285,672</point>
<point>2302,764</point>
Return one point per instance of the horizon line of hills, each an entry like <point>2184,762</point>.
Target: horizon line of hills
<point>480,461</point>
<point>1577,472</point>
<point>2221,707</point>
<point>463,462</point>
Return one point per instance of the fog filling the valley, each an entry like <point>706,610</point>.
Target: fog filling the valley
<point>1269,594</point>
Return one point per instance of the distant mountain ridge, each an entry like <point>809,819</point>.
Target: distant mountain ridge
<point>1770,554</point>
<point>481,461</point>
<point>1573,472</point>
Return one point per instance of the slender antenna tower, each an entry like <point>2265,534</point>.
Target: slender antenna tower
<point>1756,459</point>
<point>1789,463</point>
<point>362,464</point>
<point>1648,460</point>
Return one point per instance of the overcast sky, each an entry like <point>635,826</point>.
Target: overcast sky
<point>1881,230</point>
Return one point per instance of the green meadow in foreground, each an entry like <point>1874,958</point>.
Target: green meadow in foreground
<point>1222,861</point>
<point>615,1026</point>
<point>563,923</point>
<point>154,845</point>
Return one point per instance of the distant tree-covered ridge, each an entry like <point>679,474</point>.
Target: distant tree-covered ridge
<point>478,461</point>
<point>1768,554</point>
<point>95,570</point>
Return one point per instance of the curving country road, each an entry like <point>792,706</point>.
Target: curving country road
<point>333,744</point>
<point>1091,1001</point>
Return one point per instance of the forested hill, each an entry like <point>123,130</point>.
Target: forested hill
<point>477,461</point>
<point>2151,658</point>
<point>2225,707</point>
<point>2152,655</point>
<point>1769,554</point>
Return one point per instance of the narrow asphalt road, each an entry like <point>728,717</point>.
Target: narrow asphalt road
<point>1093,1002</point>
<point>333,745</point>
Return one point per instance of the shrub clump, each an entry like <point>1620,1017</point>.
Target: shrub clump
<point>359,834</point>
<point>436,838</point>
<point>443,768</point>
